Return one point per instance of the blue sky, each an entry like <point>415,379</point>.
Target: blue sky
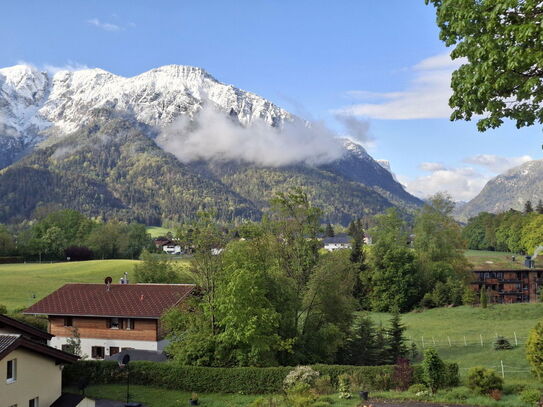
<point>379,60</point>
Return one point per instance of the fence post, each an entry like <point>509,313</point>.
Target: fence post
<point>465,343</point>
<point>481,336</point>
<point>434,340</point>
<point>449,339</point>
<point>422,339</point>
<point>503,371</point>
<point>516,341</point>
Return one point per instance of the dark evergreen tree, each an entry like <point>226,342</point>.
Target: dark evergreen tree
<point>539,207</point>
<point>329,232</point>
<point>361,347</point>
<point>528,207</point>
<point>396,342</point>
<point>358,258</point>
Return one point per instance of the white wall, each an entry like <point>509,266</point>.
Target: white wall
<point>88,343</point>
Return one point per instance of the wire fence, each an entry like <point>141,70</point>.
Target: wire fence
<point>480,340</point>
<point>504,369</point>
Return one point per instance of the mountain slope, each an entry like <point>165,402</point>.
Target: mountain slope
<point>99,130</point>
<point>508,190</point>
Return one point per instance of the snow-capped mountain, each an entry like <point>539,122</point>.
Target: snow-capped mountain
<point>35,104</point>
<point>86,130</point>
<point>508,190</point>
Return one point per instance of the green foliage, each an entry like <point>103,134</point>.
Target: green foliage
<point>396,348</point>
<point>534,350</point>
<point>501,42</point>
<point>433,370</point>
<point>329,231</point>
<point>483,380</point>
<point>300,375</point>
<point>7,242</point>
<point>531,396</point>
<point>3,309</point>
<point>244,380</point>
<point>483,297</point>
<point>344,386</point>
<point>502,343</point>
<point>74,343</point>
<point>156,269</point>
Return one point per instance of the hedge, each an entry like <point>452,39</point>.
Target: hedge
<point>243,380</point>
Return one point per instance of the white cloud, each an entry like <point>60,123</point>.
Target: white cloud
<point>104,25</point>
<point>426,97</point>
<point>462,183</point>
<point>429,166</point>
<point>214,136</point>
<point>69,66</point>
<point>496,163</point>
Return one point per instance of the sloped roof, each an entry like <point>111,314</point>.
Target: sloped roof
<point>121,300</point>
<point>68,400</point>
<point>9,343</point>
<point>340,238</point>
<point>139,354</point>
<point>25,329</point>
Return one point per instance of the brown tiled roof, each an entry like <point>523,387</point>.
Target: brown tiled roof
<point>122,300</point>
<point>8,343</point>
<point>25,329</point>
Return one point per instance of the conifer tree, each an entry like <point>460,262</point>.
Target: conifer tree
<point>528,207</point>
<point>396,347</point>
<point>539,207</point>
<point>329,231</point>
<point>484,297</point>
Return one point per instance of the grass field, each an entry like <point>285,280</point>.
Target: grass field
<point>465,326</point>
<point>23,284</point>
<point>155,397</point>
<point>487,260</point>
<point>157,231</point>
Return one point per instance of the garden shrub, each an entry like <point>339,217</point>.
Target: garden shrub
<point>323,385</point>
<point>344,386</point>
<point>417,388</point>
<point>502,343</point>
<point>458,394</point>
<point>434,371</point>
<point>531,396</point>
<point>300,375</point>
<point>483,380</point>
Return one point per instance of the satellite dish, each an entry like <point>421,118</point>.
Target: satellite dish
<point>108,280</point>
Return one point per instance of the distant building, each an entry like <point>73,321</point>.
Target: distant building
<point>338,242</point>
<point>168,246</point>
<point>30,370</point>
<point>509,286</point>
<point>111,318</point>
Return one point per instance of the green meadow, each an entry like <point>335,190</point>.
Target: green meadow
<point>457,333</point>
<point>23,284</point>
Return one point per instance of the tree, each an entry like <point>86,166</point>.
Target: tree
<point>74,343</point>
<point>7,242</point>
<point>394,281</point>
<point>534,350</point>
<point>155,269</point>
<point>396,347</point>
<point>433,370</point>
<point>528,207</point>
<point>539,207</point>
<point>361,346</point>
<point>439,245</point>
<point>503,72</point>
<point>329,232</point>
<point>483,297</point>
<point>358,259</point>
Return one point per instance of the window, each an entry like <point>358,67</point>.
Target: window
<point>113,323</point>
<point>34,402</point>
<point>68,321</point>
<point>128,323</point>
<point>11,371</point>
<point>113,350</point>
<point>97,352</point>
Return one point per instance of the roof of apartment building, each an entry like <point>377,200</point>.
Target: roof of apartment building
<point>24,329</point>
<point>9,343</point>
<point>117,300</point>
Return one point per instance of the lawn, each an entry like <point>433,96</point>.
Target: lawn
<point>465,326</point>
<point>23,284</point>
<point>156,397</point>
<point>487,260</point>
<point>157,231</point>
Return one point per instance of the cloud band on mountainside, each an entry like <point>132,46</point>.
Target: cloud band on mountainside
<point>213,135</point>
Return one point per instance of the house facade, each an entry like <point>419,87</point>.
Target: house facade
<point>30,371</point>
<point>109,318</point>
<point>509,286</point>
<point>338,242</point>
